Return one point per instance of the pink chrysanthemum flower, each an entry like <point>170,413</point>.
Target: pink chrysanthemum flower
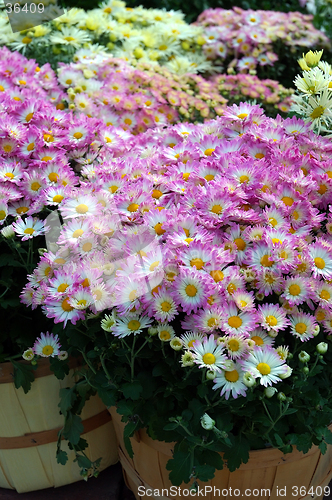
<point>47,345</point>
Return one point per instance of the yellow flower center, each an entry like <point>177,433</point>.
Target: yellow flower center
<point>69,38</point>
<point>154,265</point>
<point>258,340</point>
<point>112,189</point>
<point>164,335</point>
<point>266,262</point>
<point>263,368</point>
<point>208,152</point>
<point>287,200</point>
<point>53,176</point>
<point>46,158</point>
<point>158,228</point>
<point>66,306</point>
<point>319,262</point>
<point>156,193</point>
<point>231,288</point>
<point>232,376</point>
<point>217,275</point>
<point>295,215</point>
<point>57,198</point>
<point>133,207</point>
<point>22,210</point>
<point>134,325</point>
<point>271,320</point>
<point>234,321</point>
<point>216,209</point>
<point>324,294</point>
<point>63,287</point>
<point>240,243</point>
<point>242,115</point>
<point>26,40</point>
<point>31,146</point>
<point>243,178</point>
<point>300,328</point>
<point>78,135</point>
<point>197,262</point>
<point>191,290</point>
<point>259,156</point>
<point>233,345</point>
<point>209,358</point>
<point>87,246</point>
<point>29,230</point>
<point>294,290</point>
<point>133,295</point>
<point>47,350</point>
<point>82,208</point>
<point>165,306</point>
<point>35,186</point>
<point>212,322</point>
<point>209,177</point>
<point>273,221</point>
<point>10,175</point>
<point>317,112</point>
<point>2,214</point>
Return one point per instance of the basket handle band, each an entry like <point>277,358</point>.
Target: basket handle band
<point>51,436</point>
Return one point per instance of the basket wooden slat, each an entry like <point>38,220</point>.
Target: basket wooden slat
<point>33,468</point>
<point>266,469</point>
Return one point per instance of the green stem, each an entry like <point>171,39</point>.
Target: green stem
<point>132,360</point>
<point>102,360</point>
<point>88,363</point>
<point>267,411</point>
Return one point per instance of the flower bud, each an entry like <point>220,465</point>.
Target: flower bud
<point>207,422</point>
<point>152,331</point>
<point>281,396</point>
<point>210,374</point>
<point>305,370</point>
<point>322,347</point>
<point>270,391</point>
<point>176,344</point>
<point>304,357</point>
<point>316,330</point>
<point>248,379</point>
<point>8,232</point>
<point>28,355</point>
<point>287,373</point>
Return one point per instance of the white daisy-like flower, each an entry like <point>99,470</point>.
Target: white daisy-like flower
<point>208,354</point>
<point>303,326</point>
<point>101,296</point>
<point>265,363</point>
<point>29,228</point>
<point>322,258</point>
<point>187,359</point>
<point>128,325</point>
<point>47,345</point>
<point>238,322</point>
<point>70,36</point>
<point>323,293</point>
<point>108,322</point>
<point>230,382</point>
<point>296,290</point>
<point>165,332</point>
<point>190,338</point>
<point>272,318</point>
<point>261,338</point>
<point>164,307</point>
<point>81,299</point>
<point>236,345</point>
<point>82,206</point>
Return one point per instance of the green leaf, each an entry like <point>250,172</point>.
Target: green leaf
<point>278,439</point>
<point>107,396</point>
<point>62,457</point>
<point>128,432</point>
<point>289,411</point>
<point>238,454</point>
<point>73,428</point>
<point>303,442</point>
<point>323,447</point>
<point>180,466</point>
<point>328,436</point>
<point>23,376</point>
<point>67,399</point>
<point>132,390</point>
<point>212,458</point>
<point>8,259</point>
<point>125,408</point>
<point>171,427</point>
<point>59,368</point>
<point>83,462</point>
<point>204,472</point>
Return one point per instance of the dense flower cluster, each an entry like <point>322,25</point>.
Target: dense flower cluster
<point>247,38</point>
<point>38,143</point>
<point>141,97</point>
<point>313,101</point>
<point>242,87</point>
<point>217,237</point>
<point>132,34</point>
<point>136,98</point>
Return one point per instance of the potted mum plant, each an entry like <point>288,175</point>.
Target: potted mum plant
<point>38,144</point>
<point>200,297</point>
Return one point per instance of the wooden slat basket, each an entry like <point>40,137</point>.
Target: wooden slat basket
<point>29,425</point>
<point>266,470</point>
